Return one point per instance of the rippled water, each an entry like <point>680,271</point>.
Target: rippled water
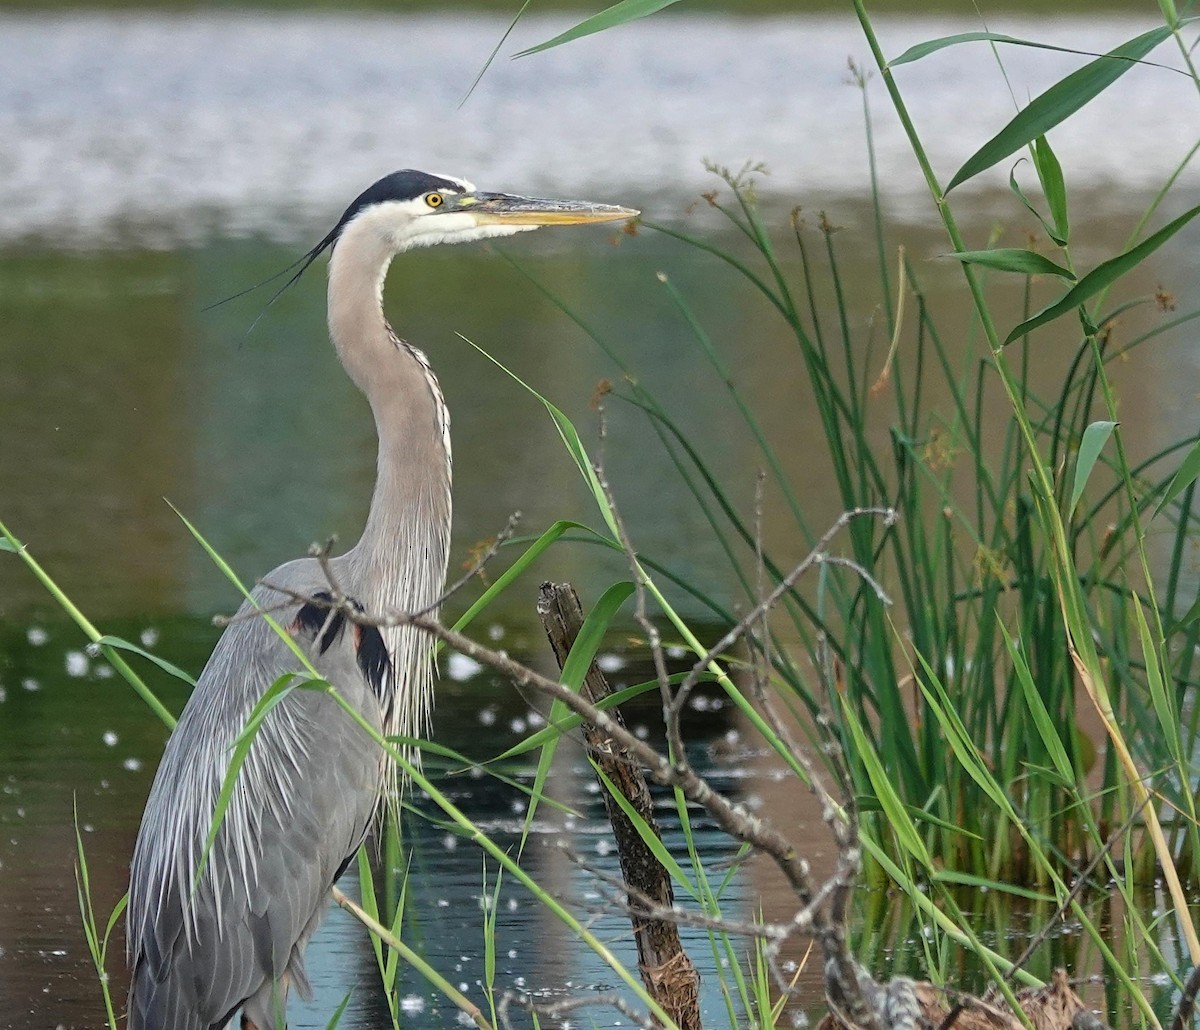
<point>167,128</point>
<point>154,163</point>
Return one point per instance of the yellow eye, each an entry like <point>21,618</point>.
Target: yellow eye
<point>434,199</point>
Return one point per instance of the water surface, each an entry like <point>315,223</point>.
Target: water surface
<point>135,190</point>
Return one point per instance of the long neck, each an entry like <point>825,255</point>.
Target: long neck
<point>399,563</point>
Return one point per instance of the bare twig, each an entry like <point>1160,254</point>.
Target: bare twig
<point>480,564</point>
<point>565,1006</point>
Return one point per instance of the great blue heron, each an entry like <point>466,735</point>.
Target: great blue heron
<point>202,947</point>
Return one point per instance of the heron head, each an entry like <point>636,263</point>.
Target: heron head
<point>415,209</point>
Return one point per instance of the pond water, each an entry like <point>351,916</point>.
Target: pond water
<point>135,190</point>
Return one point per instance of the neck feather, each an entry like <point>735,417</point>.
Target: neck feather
<point>399,563</point>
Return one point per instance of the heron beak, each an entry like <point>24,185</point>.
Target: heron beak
<point>506,209</point>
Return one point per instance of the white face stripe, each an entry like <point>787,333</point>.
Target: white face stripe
<point>464,186</point>
<point>405,224</point>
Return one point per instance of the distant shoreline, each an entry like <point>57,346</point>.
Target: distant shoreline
<point>735,7</point>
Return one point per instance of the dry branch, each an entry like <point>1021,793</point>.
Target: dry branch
<point>665,968</point>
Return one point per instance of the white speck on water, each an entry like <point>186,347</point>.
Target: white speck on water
<point>459,667</point>
<point>449,842</point>
<point>464,987</point>
<point>604,847</point>
<point>569,823</point>
<point>36,636</point>
<point>132,764</point>
<point>610,662</point>
<point>462,1019</point>
<point>520,981</point>
<point>443,903</point>
<point>754,802</point>
<point>513,905</point>
<point>592,787</point>
<point>476,772</point>
<point>512,952</point>
<point>103,672</point>
<point>518,725</point>
<point>536,719</point>
<point>31,684</point>
<point>20,811</point>
<point>799,1019</point>
<point>412,1004</point>
<point>149,637</point>
<point>789,966</point>
<point>641,731</point>
<point>495,631</point>
<point>1160,979</point>
<point>676,652</point>
<point>88,828</point>
<point>517,807</point>
<point>3,695</point>
<point>110,738</point>
<point>699,703</point>
<point>487,716</point>
<point>77,664</point>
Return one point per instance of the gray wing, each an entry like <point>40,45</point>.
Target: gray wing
<point>300,808</point>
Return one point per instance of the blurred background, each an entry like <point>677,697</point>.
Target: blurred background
<point>156,160</point>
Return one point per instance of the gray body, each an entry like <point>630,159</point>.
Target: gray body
<point>204,943</point>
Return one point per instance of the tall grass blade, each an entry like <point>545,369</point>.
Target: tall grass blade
<point>932,46</point>
<point>651,839</point>
<point>1094,438</point>
<point>1012,259</point>
<point>619,14</point>
<point>1058,103</point>
<point>336,1019</point>
<point>1054,186</point>
<point>1103,276</point>
<point>15,546</point>
<point>124,645</point>
<point>591,633</point>
<point>1184,477</point>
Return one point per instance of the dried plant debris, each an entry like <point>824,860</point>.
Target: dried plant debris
<point>903,1004</point>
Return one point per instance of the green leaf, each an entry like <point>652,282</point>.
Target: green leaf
<point>167,667</point>
<point>932,46</point>
<point>1054,187</point>
<point>595,625</point>
<point>510,574</point>
<point>970,880</point>
<point>8,545</point>
<point>1190,616</point>
<point>1011,259</point>
<point>1059,102</point>
<point>340,1011</point>
<point>573,721</point>
<point>1103,276</point>
<point>1165,709</point>
<point>619,14</point>
<point>1184,477</point>
<point>592,633</point>
<point>1094,438</point>
<point>1038,711</point>
<point>920,815</point>
<point>885,791</point>
<point>1015,186</point>
<point>651,839</point>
